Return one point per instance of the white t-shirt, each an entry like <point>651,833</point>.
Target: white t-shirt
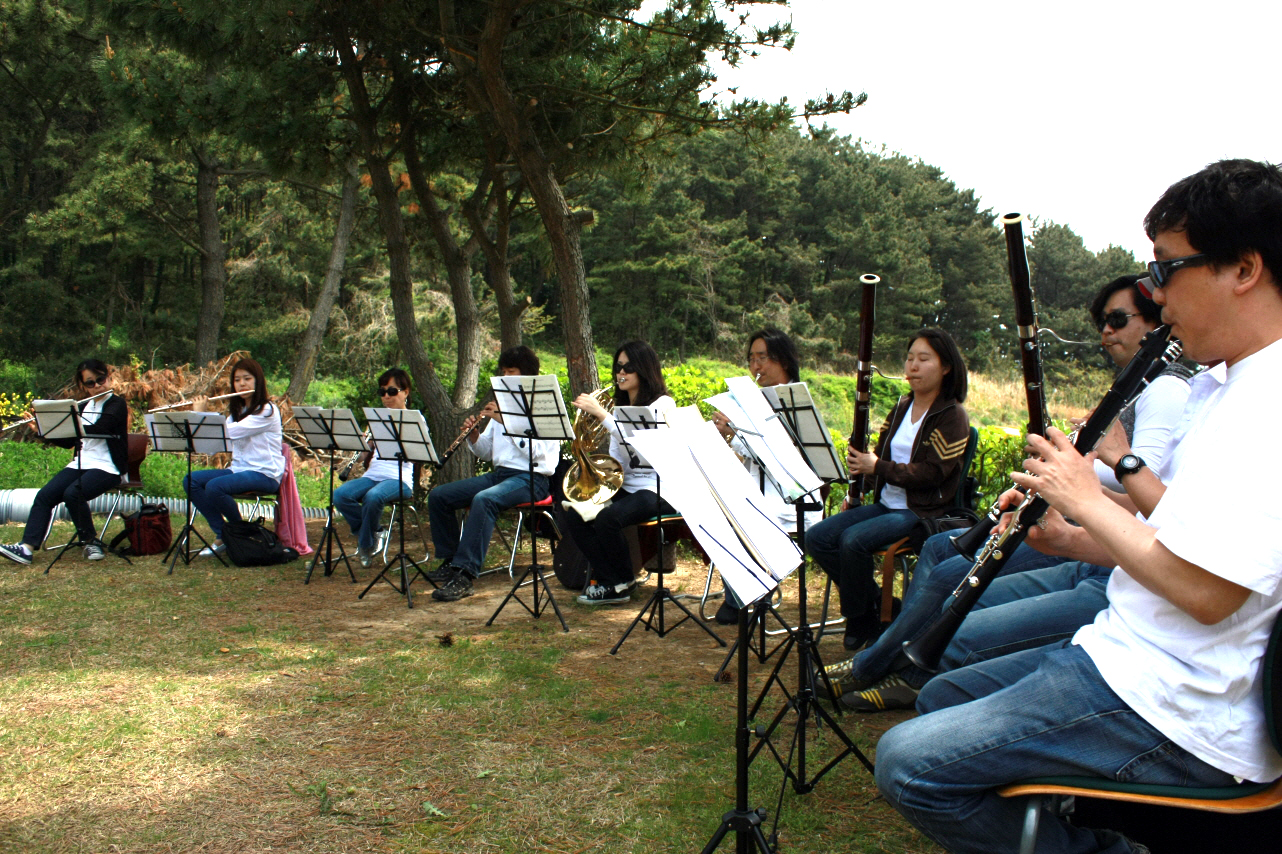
<point>1200,685</point>
<point>94,453</point>
<point>1157,410</point>
<point>901,451</point>
<point>637,479</point>
<point>511,452</point>
<point>255,443</point>
<point>380,469</point>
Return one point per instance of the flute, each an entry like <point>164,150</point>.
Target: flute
<point>188,402</point>
<point>15,425</point>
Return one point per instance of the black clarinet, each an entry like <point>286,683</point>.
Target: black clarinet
<point>863,382</point>
<point>1157,351</point>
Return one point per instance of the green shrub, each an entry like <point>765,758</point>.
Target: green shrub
<point>28,465</point>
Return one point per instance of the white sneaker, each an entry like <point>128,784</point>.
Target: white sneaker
<point>210,551</point>
<point>93,551</point>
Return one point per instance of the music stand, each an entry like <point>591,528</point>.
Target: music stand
<point>629,420</point>
<point>60,419</point>
<point>330,430</point>
<point>532,409</point>
<point>400,435</point>
<point>188,433</point>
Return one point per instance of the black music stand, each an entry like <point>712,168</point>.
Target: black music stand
<point>630,419</point>
<point>401,435</point>
<point>330,430</point>
<point>60,419</point>
<point>532,408</point>
<point>188,433</point>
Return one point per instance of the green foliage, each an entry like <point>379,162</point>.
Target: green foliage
<point>26,465</point>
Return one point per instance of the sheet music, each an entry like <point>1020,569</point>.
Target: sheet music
<point>709,487</point>
<point>794,403</point>
<point>633,419</point>
<point>56,419</point>
<point>168,431</point>
<point>749,412</point>
<point>318,424</point>
<point>394,431</point>
<point>533,403</point>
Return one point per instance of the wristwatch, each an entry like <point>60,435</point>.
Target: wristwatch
<point>1128,464</point>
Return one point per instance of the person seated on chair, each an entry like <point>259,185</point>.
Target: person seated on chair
<point>916,468</point>
<point>96,467</point>
<point>257,464</point>
<point>772,360</point>
<point>1164,686</point>
<point>876,679</point>
<point>362,499</point>
<point>462,554</point>
<point>638,381</point>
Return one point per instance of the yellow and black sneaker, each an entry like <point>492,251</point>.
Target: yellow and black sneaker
<point>890,693</point>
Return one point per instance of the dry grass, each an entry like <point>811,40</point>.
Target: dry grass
<point>237,710</point>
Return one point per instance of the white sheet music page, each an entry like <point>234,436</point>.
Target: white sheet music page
<point>772,445</point>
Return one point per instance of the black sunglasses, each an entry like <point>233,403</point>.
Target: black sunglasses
<point>1115,318</point>
<point>93,383</point>
<point>629,368</point>
<point>1161,271</point>
<point>389,391</point>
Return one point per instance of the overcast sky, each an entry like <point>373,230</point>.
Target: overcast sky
<point>1081,113</point>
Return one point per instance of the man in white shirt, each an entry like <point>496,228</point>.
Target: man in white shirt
<point>462,553</point>
<point>1164,686</point>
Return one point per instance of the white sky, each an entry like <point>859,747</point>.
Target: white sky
<point>1077,112</point>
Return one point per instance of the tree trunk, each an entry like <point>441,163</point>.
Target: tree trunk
<point>305,368</point>
<point>498,271</point>
<point>213,261</point>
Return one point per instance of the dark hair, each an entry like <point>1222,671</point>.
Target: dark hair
<point>1149,310</point>
<point>649,374</point>
<point>237,406</point>
<point>98,367</point>
<point>1227,209</point>
<point>955,382</point>
<point>780,348</point>
<point>402,378</point>
<point>522,358</point>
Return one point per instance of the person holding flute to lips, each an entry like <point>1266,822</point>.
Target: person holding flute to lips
<point>257,464</point>
<point>96,467</point>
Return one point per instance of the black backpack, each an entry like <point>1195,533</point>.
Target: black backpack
<point>252,544</point>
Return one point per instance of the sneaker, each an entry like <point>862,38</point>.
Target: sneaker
<point>890,693</point>
<point>842,678</point>
<point>727,614</point>
<point>602,594</point>
<point>443,574</point>
<point>17,553</point>
<point>862,631</point>
<point>93,551</point>
<point>210,551</point>
<point>380,539</point>
<point>458,587</point>
<point>365,556</point>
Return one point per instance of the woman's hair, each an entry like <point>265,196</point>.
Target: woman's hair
<point>780,348</point>
<point>402,378</point>
<point>522,358</point>
<point>1149,310</point>
<point>649,374</point>
<point>237,406</point>
<point>98,367</point>
<point>955,384</point>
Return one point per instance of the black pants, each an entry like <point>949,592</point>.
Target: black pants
<point>602,541</point>
<point>75,488</point>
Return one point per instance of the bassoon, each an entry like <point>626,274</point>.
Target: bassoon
<point>863,381</point>
<point>1157,351</point>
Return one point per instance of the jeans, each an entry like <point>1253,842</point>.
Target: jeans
<point>843,546</point>
<point>75,488</point>
<point>1036,713</point>
<point>602,541</point>
<point>211,491</point>
<point>484,497</point>
<point>939,570</point>
<point>361,502</point>
<point>1027,610</point>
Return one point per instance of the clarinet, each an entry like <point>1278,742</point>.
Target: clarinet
<point>863,381</point>
<point>1157,351</point>
<point>1030,359</point>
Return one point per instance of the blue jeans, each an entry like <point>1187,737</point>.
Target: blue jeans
<point>361,501</point>
<point>1035,713</point>
<point>484,497</point>
<point>211,491</point>
<point>1027,610</point>
<point>843,546</point>
<point>939,570</point>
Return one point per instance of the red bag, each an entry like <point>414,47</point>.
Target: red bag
<point>148,531</point>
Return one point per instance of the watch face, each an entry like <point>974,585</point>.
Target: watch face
<point>1129,461</point>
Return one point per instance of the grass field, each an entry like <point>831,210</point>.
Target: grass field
<point>239,710</point>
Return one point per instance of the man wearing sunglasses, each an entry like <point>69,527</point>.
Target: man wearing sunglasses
<point>1164,687</point>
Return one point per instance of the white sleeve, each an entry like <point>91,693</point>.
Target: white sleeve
<point>1157,412</point>
<point>483,447</point>
<point>251,425</point>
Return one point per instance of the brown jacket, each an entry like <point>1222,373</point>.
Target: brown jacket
<point>934,472</point>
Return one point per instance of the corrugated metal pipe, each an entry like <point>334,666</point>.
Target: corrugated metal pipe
<point>15,505</point>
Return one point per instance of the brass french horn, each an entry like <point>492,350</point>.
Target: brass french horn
<point>593,478</point>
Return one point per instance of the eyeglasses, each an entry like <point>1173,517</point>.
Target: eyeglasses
<point>759,358</point>
<point>1161,271</point>
<point>389,391</point>
<point>627,368</point>
<point>1115,318</point>
<point>93,383</point>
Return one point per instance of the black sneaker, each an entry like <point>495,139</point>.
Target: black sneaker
<point>888,694</point>
<point>727,614</point>
<point>443,574</point>
<point>862,631</point>
<point>458,587</point>
<point>94,551</point>
<point>16,553</point>
<point>603,594</point>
